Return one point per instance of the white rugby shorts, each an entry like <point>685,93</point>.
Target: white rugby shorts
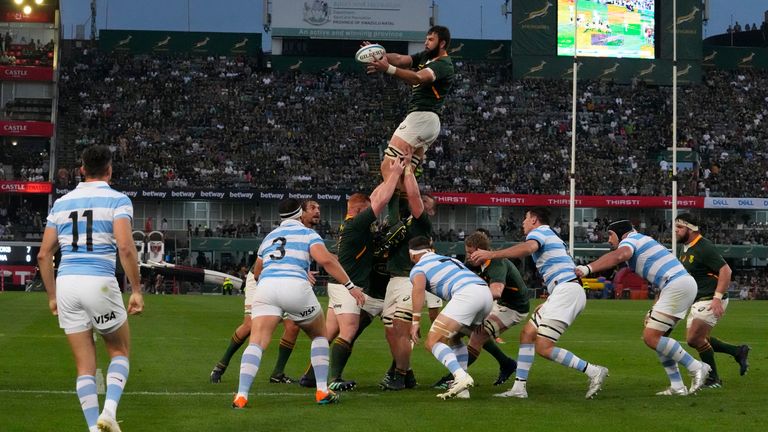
<point>470,305</point>
<point>702,310</point>
<point>565,303</point>
<point>290,298</point>
<point>373,306</point>
<point>506,316</point>
<point>86,302</point>
<point>677,296</point>
<point>341,301</point>
<point>419,129</point>
<point>397,299</point>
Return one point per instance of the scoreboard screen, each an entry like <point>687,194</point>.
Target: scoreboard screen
<point>606,28</point>
<point>18,254</point>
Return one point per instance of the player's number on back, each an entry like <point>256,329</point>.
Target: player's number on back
<point>280,248</point>
<point>455,262</point>
<point>88,215</point>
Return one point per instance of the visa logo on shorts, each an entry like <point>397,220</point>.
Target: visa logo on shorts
<point>307,312</point>
<point>101,319</point>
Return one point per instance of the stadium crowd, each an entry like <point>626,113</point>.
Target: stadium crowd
<point>219,122</point>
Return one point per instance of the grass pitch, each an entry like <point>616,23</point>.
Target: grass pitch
<point>178,339</point>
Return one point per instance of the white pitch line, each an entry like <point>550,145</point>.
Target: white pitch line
<point>155,393</point>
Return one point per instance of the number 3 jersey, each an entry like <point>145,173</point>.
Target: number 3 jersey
<point>83,220</point>
<point>285,251</point>
<point>445,276</point>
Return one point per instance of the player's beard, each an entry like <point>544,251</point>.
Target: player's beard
<point>433,53</point>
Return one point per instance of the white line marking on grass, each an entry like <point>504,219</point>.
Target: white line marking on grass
<point>156,393</point>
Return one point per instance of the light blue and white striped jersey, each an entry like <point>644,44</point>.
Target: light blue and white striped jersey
<point>83,219</point>
<point>651,260</point>
<point>552,259</point>
<point>445,276</point>
<point>285,251</point>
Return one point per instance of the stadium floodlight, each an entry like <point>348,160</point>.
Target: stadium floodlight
<point>27,10</point>
<point>38,2</point>
<point>18,2</point>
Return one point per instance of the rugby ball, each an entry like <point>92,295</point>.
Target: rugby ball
<point>370,53</point>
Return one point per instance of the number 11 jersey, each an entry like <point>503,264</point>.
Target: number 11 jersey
<point>84,219</point>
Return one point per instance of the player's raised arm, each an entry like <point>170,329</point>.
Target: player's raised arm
<point>383,192</point>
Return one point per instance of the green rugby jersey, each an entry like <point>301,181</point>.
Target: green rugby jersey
<point>355,246</point>
<point>431,96</point>
<point>399,263</point>
<point>703,262</point>
<point>515,294</point>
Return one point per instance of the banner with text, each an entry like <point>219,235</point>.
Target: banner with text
<point>736,203</point>
<point>345,19</point>
<point>563,201</point>
<point>25,187</point>
<point>26,128</point>
<point>25,73</point>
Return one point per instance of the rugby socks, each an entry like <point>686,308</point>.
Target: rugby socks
<point>493,349</point>
<point>723,347</point>
<point>673,372</point>
<point>117,376</point>
<point>473,355</point>
<point>568,359</point>
<point>319,359</point>
<point>249,366</point>
<point>234,344</point>
<point>672,349</point>
<point>525,356</point>
<point>340,352</point>
<point>445,355</point>
<point>462,355</point>
<point>89,402</point>
<point>283,354</point>
<point>707,355</point>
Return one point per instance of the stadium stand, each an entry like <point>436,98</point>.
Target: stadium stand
<point>204,123</point>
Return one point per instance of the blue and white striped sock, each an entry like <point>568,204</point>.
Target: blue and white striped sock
<point>568,359</point>
<point>444,354</point>
<point>320,360</point>
<point>672,349</point>
<point>89,401</point>
<point>525,355</point>
<point>670,367</point>
<point>462,355</point>
<point>117,376</point>
<point>249,366</point>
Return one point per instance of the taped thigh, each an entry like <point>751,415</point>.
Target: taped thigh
<point>440,328</point>
<point>658,321</point>
<point>548,328</point>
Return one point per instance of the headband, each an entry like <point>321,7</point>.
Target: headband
<point>687,224</point>
<point>294,214</point>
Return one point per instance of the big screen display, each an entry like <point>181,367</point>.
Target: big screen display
<point>606,28</point>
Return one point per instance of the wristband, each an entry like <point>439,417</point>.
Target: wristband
<point>416,314</point>
<point>590,268</point>
<point>718,295</point>
<point>391,70</point>
<point>349,285</point>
